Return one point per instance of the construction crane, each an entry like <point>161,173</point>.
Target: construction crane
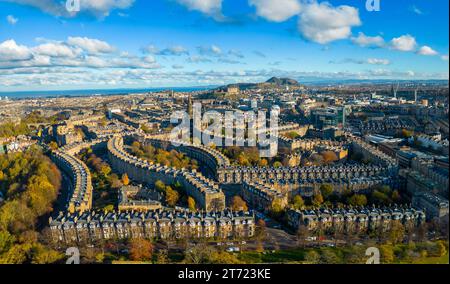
<point>396,90</point>
<point>415,95</point>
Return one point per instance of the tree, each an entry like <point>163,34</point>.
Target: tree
<point>238,204</point>
<point>191,204</point>
<point>276,207</point>
<point>397,232</point>
<point>329,157</point>
<point>260,229</point>
<point>125,179</point>
<point>53,145</point>
<point>302,234</point>
<point>358,200</point>
<point>277,164</point>
<point>199,254</point>
<point>263,163</point>
<point>312,257</point>
<point>317,199</point>
<point>140,249</point>
<point>298,202</point>
<point>172,196</point>
<point>326,190</point>
<point>222,257</point>
<point>387,254</point>
<point>160,186</point>
<point>162,257</point>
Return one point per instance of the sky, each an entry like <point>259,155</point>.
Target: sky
<point>107,44</point>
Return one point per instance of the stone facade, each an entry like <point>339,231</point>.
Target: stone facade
<point>80,178</point>
<point>90,227</point>
<point>262,196</point>
<point>355,220</point>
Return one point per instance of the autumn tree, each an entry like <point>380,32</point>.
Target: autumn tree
<point>172,196</point>
<point>298,202</point>
<point>238,204</point>
<point>140,249</point>
<point>125,179</point>
<point>191,203</point>
<point>317,200</point>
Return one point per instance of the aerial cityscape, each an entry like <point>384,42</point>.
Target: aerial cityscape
<point>224,132</point>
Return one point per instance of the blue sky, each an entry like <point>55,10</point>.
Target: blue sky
<point>158,43</point>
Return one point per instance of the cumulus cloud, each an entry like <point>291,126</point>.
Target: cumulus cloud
<point>56,50</point>
<point>92,46</point>
<point>276,10</point>
<point>444,57</point>
<point>368,41</point>
<point>12,20</point>
<point>98,8</point>
<point>11,51</point>
<point>322,23</point>
<point>426,50</point>
<point>87,53</point>
<point>404,43</point>
<point>212,8</point>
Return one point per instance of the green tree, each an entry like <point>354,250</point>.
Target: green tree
<point>387,254</point>
<point>358,200</point>
<point>326,190</point>
<point>312,257</point>
<point>298,202</point>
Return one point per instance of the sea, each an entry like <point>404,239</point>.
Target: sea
<point>96,92</point>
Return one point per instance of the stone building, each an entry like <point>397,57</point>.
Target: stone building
<point>80,179</point>
<point>262,196</point>
<point>205,191</point>
<point>354,220</point>
<point>90,227</point>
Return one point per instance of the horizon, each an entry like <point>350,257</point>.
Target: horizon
<point>128,45</point>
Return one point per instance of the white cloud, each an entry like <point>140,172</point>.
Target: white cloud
<point>426,50</point>
<point>98,8</point>
<point>276,10</point>
<point>11,19</point>
<point>377,61</point>
<point>198,59</point>
<point>11,51</point>
<point>444,57</point>
<point>323,23</point>
<point>212,50</point>
<point>56,50</point>
<point>404,43</point>
<point>368,41</point>
<point>211,8</point>
<point>371,61</point>
<point>92,46</point>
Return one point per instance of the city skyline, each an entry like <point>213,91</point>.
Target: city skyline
<point>185,43</point>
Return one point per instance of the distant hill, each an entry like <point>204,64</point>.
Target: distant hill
<point>282,81</point>
<point>273,82</point>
